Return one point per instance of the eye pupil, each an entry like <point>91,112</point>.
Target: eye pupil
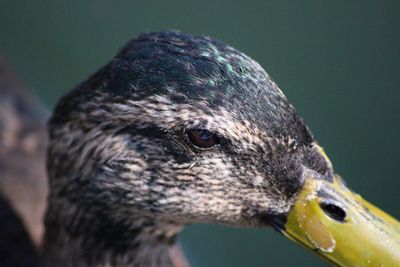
<point>201,138</point>
<point>333,211</point>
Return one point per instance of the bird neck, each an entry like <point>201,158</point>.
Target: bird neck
<point>96,240</point>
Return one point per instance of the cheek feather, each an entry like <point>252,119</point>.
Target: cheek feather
<point>228,178</point>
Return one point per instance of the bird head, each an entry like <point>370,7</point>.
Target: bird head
<point>186,129</point>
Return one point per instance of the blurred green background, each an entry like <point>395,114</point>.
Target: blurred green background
<point>337,61</point>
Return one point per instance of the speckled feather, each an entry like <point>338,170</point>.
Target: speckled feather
<point>125,179</point>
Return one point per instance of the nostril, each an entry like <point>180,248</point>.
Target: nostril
<point>333,211</point>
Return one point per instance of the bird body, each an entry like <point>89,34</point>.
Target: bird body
<point>23,182</point>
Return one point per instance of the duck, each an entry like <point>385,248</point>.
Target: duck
<point>179,129</point>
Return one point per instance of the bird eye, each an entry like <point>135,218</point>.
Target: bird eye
<point>333,211</point>
<point>202,138</point>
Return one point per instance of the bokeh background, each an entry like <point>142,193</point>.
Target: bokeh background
<point>337,61</point>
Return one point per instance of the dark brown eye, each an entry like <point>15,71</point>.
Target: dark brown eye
<point>202,138</point>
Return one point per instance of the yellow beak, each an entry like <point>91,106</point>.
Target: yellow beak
<point>342,227</point>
